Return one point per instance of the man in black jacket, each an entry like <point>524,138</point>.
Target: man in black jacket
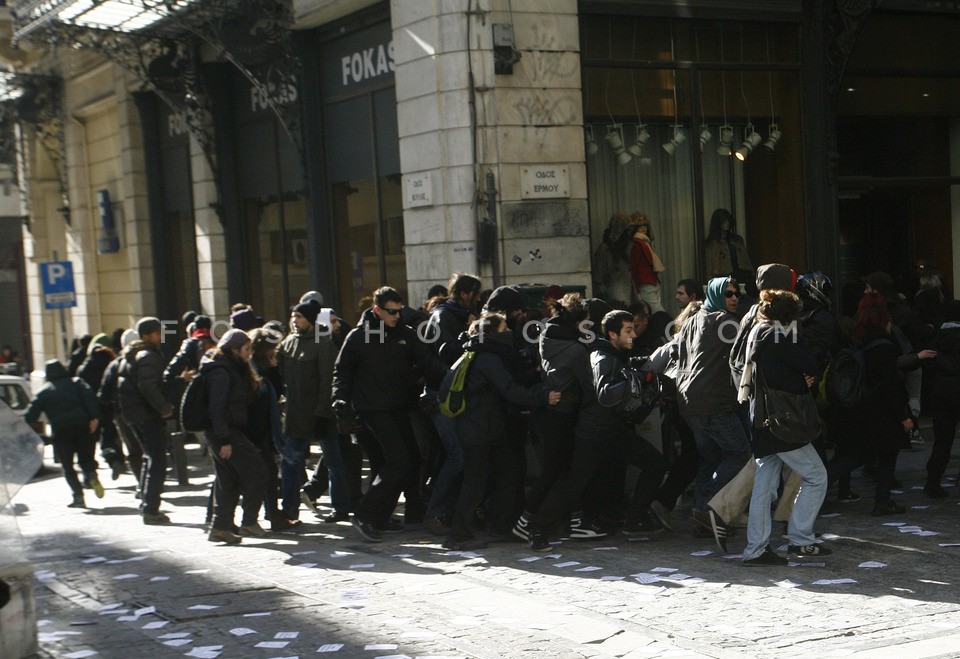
<point>144,407</point>
<point>375,381</point>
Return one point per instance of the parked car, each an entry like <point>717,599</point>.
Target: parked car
<point>15,392</point>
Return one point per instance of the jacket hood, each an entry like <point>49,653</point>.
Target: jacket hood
<point>776,276</point>
<point>715,288</point>
<point>99,341</point>
<point>604,345</point>
<point>135,347</point>
<point>54,370</point>
<point>560,331</point>
<point>452,306</point>
<point>556,338</point>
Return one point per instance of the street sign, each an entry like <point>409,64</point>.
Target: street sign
<point>59,291</point>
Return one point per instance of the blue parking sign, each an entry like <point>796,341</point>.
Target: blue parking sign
<point>59,291</point>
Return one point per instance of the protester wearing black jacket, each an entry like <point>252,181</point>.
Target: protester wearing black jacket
<point>99,357</point>
<point>232,384</point>
<point>481,428</point>
<point>946,398</point>
<point>71,409</point>
<point>110,409</point>
<point>375,378</point>
<point>144,408</point>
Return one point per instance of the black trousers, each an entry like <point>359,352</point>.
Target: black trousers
<point>557,434</point>
<point>944,428</point>
<point>243,473</point>
<point>486,467</point>
<point>641,454</point>
<point>685,466</point>
<point>153,438</point>
<point>130,443</point>
<point>70,441</point>
<point>393,435</point>
<point>111,449</point>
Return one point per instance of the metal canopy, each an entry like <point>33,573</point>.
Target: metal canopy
<point>116,15</point>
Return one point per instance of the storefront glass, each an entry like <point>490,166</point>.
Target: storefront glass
<point>658,94</point>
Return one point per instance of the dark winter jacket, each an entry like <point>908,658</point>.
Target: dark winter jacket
<point>947,365</point>
<point>450,321</point>
<point>819,334</point>
<point>140,385</point>
<point>565,361</point>
<point>782,362</point>
<point>379,367</point>
<point>187,359</point>
<point>94,366</point>
<point>107,393</point>
<point>263,427</point>
<point>879,421</point>
<point>306,366</point>
<point>489,386</point>
<point>654,336</point>
<point>772,276</point>
<point>704,385</point>
<point>66,401</point>
<point>601,417</point>
<point>229,398</point>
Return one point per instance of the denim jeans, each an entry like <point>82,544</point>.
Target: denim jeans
<point>336,473</point>
<point>443,499</point>
<point>724,448</point>
<point>294,454</point>
<point>804,461</point>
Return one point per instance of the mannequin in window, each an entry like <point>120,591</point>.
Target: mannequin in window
<point>611,261</point>
<point>645,265</point>
<point>726,254</point>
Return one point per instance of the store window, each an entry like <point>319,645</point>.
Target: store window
<point>274,248</point>
<point>361,144</point>
<point>659,94</point>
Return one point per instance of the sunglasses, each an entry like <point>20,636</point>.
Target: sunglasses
<point>392,312</point>
<point>729,294</point>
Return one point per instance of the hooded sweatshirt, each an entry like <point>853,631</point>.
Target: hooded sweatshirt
<point>566,365</point>
<point>66,401</point>
<point>774,277</point>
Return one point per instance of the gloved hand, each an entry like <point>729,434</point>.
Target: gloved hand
<point>347,421</point>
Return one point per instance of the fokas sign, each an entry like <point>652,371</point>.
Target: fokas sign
<point>359,60</point>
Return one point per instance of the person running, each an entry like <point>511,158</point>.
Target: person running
<point>71,409</point>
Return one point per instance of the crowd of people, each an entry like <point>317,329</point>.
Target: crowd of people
<point>554,437</point>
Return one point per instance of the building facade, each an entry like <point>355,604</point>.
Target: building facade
<point>339,145</point>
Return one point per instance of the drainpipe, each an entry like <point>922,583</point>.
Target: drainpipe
<point>91,222</point>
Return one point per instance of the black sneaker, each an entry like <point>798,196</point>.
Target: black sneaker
<point>935,492</point>
<point>809,550</point>
<point>117,469</point>
<point>580,530</point>
<point>767,558</point>
<point>538,541</point>
<point>77,502</point>
<point>392,526</point>
<point>435,526</point>
<point>649,524</point>
<point>464,545</point>
<point>335,517</point>
<point>888,508</point>
<point>721,531</point>
<point>366,530</point>
<point>522,528</point>
<point>701,523</point>
<point>848,497</point>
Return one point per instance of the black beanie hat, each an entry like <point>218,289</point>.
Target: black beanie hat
<point>309,310</point>
<point>506,300</point>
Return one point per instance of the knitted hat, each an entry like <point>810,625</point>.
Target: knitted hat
<point>506,299</point>
<point>148,325</point>
<point>188,317</point>
<point>128,337</point>
<point>309,310</point>
<point>202,322</point>
<point>233,340</point>
<point>315,296</point>
<point>244,319</point>
<point>99,340</point>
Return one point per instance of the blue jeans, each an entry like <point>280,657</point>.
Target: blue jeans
<point>447,485</point>
<point>724,448</point>
<point>337,473</point>
<point>807,463</point>
<point>294,452</point>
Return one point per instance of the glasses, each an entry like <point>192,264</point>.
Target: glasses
<point>392,312</point>
<point>729,294</point>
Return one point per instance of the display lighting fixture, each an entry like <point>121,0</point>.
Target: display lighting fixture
<point>750,142</point>
<point>774,137</point>
<point>614,138</point>
<point>678,138</point>
<point>726,140</point>
<point>705,136</point>
<point>591,144</point>
<point>643,136</point>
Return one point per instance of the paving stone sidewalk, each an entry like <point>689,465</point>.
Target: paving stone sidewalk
<point>108,586</point>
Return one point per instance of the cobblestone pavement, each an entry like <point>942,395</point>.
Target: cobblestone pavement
<point>108,585</point>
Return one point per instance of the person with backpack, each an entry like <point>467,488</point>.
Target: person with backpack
<point>231,388</point>
<point>110,410</point>
<point>448,322</point>
<point>779,363</point>
<point>71,409</point>
<point>99,356</point>
<point>879,425</point>
<point>145,409</point>
<point>481,426</point>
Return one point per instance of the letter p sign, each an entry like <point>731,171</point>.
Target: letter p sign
<point>58,287</point>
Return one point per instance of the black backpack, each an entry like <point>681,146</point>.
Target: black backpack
<point>844,383</point>
<point>195,405</point>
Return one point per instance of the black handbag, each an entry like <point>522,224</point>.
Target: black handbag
<point>792,418</point>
